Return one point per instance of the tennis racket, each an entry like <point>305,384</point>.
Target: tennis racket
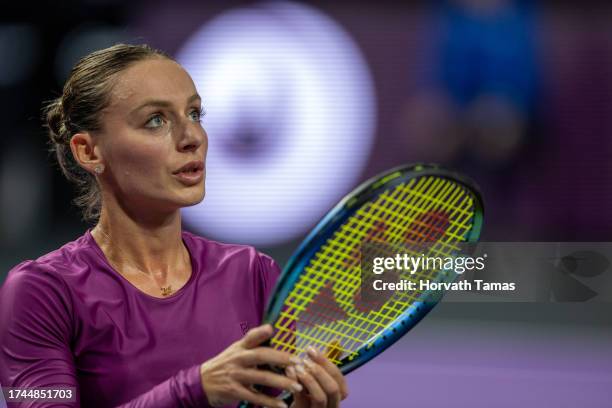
<point>319,300</point>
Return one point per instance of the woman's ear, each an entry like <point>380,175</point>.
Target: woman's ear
<point>86,152</point>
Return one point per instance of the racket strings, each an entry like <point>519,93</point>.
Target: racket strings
<point>427,210</point>
<point>313,286</point>
<point>389,312</point>
<point>367,330</point>
<point>397,238</point>
<point>332,301</point>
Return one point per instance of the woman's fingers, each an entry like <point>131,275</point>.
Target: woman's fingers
<point>268,356</point>
<point>330,368</point>
<point>268,379</point>
<point>317,383</point>
<point>226,377</point>
<point>300,399</point>
<point>318,398</point>
<point>328,384</point>
<point>257,336</point>
<point>290,373</point>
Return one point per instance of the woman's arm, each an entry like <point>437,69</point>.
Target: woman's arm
<point>35,334</point>
<point>36,330</point>
<point>184,389</point>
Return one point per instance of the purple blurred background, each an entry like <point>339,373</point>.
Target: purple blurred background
<point>305,100</point>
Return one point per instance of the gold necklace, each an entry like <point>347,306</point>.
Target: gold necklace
<point>165,290</point>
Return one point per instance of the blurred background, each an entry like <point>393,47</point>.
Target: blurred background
<point>306,100</point>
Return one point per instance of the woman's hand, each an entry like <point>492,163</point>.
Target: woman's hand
<point>323,382</point>
<point>229,377</point>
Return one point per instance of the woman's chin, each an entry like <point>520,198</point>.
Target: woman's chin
<point>193,199</point>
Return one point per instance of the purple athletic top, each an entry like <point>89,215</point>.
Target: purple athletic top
<point>69,319</point>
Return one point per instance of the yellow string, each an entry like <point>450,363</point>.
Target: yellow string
<point>399,209</point>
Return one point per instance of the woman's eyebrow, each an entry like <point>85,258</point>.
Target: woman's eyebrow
<point>162,103</point>
<point>194,97</point>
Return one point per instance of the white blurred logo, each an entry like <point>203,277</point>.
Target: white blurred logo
<point>291,116</point>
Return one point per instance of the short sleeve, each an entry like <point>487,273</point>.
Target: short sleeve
<point>35,330</point>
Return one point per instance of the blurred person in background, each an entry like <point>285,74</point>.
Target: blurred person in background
<point>478,101</point>
<point>137,311</point>
<point>474,106</point>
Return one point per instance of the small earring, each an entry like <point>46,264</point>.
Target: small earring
<point>99,169</point>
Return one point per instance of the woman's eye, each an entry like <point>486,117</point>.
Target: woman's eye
<point>155,122</point>
<point>196,115</point>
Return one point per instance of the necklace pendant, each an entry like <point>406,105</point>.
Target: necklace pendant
<point>167,290</point>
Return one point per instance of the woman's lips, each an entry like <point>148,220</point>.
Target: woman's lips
<point>190,177</point>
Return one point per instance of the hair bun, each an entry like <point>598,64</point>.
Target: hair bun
<point>54,115</point>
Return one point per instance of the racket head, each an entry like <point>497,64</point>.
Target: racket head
<point>409,203</point>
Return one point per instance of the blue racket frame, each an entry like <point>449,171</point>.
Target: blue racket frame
<point>367,191</point>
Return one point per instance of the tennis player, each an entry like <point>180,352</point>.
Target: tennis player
<point>137,311</point>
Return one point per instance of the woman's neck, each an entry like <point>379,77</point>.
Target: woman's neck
<point>151,246</point>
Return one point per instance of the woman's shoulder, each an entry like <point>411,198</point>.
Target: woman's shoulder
<point>211,248</point>
<point>52,265</point>
<point>35,298</point>
<point>243,268</point>
<point>215,255</point>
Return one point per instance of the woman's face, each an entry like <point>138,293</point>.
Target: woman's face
<point>150,131</point>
